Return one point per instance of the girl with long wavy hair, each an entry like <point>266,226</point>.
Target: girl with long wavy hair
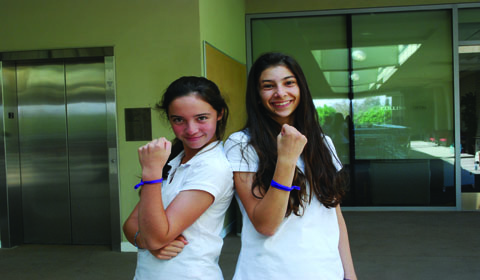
<point>289,181</point>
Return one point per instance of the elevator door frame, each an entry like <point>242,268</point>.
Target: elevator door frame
<point>11,217</point>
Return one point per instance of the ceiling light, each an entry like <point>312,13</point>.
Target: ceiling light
<point>359,55</point>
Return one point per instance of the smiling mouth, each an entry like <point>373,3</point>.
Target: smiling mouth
<point>281,104</point>
<point>191,139</point>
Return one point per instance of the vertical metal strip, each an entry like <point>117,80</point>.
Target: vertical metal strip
<point>456,109</point>
<point>13,193</point>
<point>67,140</point>
<point>351,130</point>
<point>112,152</point>
<point>12,216</point>
<point>4,225</point>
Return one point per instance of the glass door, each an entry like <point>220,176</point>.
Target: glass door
<point>469,80</point>
<point>403,108</point>
<point>469,57</point>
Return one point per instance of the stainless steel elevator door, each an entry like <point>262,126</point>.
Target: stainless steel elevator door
<point>88,152</point>
<point>63,152</point>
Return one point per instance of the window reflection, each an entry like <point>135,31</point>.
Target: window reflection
<point>402,108</point>
<point>334,115</point>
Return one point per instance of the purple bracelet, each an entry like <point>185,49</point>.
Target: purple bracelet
<point>148,182</point>
<point>282,187</point>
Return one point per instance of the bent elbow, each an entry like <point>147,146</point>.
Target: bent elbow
<point>266,230</point>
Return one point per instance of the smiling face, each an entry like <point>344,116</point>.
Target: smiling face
<point>194,122</point>
<point>279,93</point>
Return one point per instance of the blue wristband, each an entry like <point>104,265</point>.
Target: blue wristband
<point>148,182</point>
<point>282,187</point>
<point>135,240</point>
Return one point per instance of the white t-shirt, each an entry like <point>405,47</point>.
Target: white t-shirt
<point>304,247</point>
<point>207,171</point>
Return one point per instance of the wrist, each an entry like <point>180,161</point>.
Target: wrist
<point>279,186</point>
<point>286,164</point>
<point>150,182</point>
<point>150,176</point>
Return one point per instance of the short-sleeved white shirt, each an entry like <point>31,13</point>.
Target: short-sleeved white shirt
<point>207,171</point>
<point>303,247</point>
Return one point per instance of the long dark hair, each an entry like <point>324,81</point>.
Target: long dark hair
<point>207,91</point>
<point>326,183</point>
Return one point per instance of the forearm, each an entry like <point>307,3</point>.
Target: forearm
<point>152,219</point>
<point>270,211</point>
<point>344,248</point>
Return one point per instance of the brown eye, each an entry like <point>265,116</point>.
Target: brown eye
<point>177,120</point>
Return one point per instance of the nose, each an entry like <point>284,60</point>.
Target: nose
<point>280,91</point>
<point>191,128</point>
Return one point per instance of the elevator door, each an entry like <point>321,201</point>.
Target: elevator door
<point>63,152</point>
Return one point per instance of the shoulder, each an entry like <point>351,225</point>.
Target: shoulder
<point>238,137</point>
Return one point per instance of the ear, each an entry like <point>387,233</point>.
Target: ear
<point>220,116</point>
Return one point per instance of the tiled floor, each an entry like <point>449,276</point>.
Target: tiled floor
<point>385,245</point>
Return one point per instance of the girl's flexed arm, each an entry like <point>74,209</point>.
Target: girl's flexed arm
<point>130,229</point>
<point>267,213</point>
<point>158,226</point>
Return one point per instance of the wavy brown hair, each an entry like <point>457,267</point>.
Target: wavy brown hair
<point>326,182</point>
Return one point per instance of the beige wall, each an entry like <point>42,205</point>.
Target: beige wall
<point>271,6</point>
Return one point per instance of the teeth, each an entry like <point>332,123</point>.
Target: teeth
<point>281,103</point>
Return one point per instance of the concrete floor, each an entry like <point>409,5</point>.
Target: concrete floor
<point>385,245</point>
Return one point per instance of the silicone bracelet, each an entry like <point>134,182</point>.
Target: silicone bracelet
<point>282,187</point>
<point>135,239</point>
<point>148,182</point>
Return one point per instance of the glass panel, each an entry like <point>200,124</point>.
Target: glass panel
<point>469,57</point>
<point>403,108</point>
<point>469,25</point>
<point>470,116</point>
<point>319,44</point>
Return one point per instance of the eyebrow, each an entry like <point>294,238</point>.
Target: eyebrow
<point>285,78</point>
<point>198,115</point>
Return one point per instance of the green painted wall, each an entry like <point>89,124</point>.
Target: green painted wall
<point>272,6</point>
<point>155,42</point>
<point>222,24</point>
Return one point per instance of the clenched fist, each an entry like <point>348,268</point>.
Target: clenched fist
<point>290,144</point>
<point>153,157</point>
